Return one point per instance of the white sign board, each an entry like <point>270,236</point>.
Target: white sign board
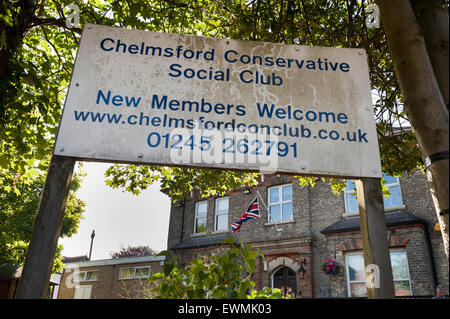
<point>167,99</point>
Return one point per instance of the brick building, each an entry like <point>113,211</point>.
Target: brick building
<point>301,226</point>
<point>125,277</point>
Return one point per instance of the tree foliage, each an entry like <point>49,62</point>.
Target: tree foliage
<point>133,251</point>
<point>177,182</point>
<point>38,49</point>
<point>224,276</point>
<point>17,213</point>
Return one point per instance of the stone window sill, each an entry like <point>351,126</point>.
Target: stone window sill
<point>217,232</point>
<point>280,223</point>
<point>222,231</point>
<point>387,210</point>
<point>199,234</point>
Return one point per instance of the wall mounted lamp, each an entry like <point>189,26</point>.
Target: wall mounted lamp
<point>302,269</point>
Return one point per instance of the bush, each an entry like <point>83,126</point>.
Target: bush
<point>216,277</point>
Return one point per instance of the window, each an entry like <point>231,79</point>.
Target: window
<point>142,272</point>
<point>395,198</point>
<point>221,222</point>
<point>134,272</point>
<point>82,292</point>
<point>126,273</point>
<point>85,276</point>
<point>400,272</point>
<point>356,280</point>
<point>393,201</point>
<point>280,203</point>
<point>351,202</point>
<point>200,217</point>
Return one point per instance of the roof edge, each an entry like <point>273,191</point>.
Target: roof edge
<point>393,223</point>
<point>115,261</point>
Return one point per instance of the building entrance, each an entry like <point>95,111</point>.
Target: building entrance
<point>285,277</point>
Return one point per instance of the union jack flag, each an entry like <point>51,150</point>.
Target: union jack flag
<point>252,212</point>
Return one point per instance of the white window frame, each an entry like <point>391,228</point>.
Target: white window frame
<point>134,272</point>
<point>397,183</point>
<point>281,202</point>
<point>351,192</point>
<point>407,267</point>
<point>349,292</point>
<point>217,213</point>
<point>386,209</point>
<point>77,276</point>
<point>364,281</point>
<point>197,217</point>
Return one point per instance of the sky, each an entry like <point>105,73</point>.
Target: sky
<point>119,218</point>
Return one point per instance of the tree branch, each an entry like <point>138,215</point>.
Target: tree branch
<point>54,22</point>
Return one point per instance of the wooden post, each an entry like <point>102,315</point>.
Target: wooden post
<point>47,229</point>
<point>374,236</point>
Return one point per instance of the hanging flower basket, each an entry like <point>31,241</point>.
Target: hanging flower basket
<point>330,267</point>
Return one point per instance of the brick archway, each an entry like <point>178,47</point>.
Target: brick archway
<point>398,241</point>
<point>356,243</point>
<point>350,244</point>
<point>282,261</point>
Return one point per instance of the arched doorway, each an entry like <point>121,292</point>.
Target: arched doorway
<point>285,276</point>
